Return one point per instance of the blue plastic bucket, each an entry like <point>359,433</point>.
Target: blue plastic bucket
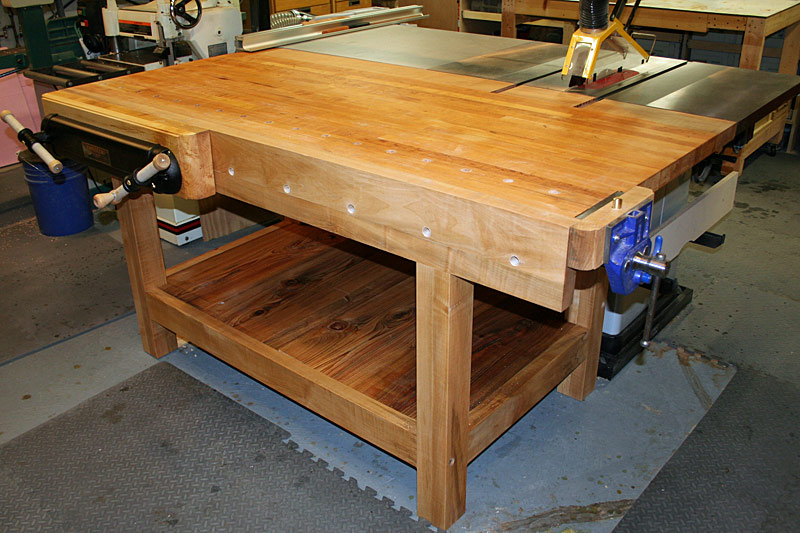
<point>61,201</point>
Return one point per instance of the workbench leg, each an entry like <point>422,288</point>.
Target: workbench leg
<point>753,44</point>
<point>587,310</point>
<point>735,166</point>
<point>137,219</point>
<point>444,354</point>
<point>790,53</point>
<point>569,29</point>
<point>790,56</point>
<point>508,19</point>
<point>791,145</point>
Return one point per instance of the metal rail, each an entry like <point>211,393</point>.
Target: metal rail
<point>253,42</point>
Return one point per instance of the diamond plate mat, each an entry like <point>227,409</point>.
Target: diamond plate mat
<point>161,451</point>
<point>716,481</point>
<point>566,465</point>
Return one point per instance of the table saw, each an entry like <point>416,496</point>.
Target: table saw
<point>455,214</point>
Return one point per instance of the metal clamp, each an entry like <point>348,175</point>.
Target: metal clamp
<point>633,262</point>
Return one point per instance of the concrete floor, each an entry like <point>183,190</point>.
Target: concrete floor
<point>740,470</point>
<point>746,305</point>
<point>70,333</point>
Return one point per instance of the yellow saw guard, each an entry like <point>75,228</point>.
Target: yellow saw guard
<point>595,40</point>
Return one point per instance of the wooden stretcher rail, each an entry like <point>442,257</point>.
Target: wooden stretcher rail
<point>331,324</point>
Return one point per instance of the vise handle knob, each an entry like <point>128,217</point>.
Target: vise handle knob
<point>103,199</point>
<point>26,136</point>
<point>655,265</point>
<point>159,163</point>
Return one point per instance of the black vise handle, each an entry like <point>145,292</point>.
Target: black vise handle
<point>629,24</point>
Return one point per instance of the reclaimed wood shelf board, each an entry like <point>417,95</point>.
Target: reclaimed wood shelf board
<point>342,315</point>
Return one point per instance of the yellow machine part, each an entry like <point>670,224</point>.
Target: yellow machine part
<point>595,41</point>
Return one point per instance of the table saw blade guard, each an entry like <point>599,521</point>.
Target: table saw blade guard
<point>596,32</point>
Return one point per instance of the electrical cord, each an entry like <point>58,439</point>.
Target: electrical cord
<point>97,186</point>
<point>54,14</point>
<point>10,72</point>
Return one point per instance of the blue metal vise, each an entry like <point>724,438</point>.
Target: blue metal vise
<point>629,238</point>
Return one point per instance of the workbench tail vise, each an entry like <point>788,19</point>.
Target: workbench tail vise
<point>634,260</point>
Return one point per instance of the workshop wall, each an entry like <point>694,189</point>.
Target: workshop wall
<point>722,48</point>
<point>8,28</point>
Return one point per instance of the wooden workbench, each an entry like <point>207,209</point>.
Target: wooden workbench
<point>422,307</point>
<point>757,20</point>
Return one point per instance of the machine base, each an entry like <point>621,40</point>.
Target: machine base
<point>182,233</point>
<point>617,350</point>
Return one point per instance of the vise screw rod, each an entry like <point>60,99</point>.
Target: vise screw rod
<point>657,266</point>
<point>26,136</point>
<point>159,163</point>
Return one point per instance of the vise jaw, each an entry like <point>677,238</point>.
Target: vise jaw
<point>629,241</point>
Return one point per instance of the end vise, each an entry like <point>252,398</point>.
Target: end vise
<point>628,240</point>
<point>632,261</point>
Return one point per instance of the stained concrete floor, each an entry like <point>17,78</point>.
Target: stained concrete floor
<point>36,268</point>
<point>745,308</point>
<point>747,295</point>
<point>740,469</point>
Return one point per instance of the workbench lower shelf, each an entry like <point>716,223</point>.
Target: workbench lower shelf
<point>331,324</point>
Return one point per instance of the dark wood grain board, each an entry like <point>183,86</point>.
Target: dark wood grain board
<point>348,311</point>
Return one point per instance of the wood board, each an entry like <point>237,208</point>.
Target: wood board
<point>765,17</point>
<point>746,8</point>
<point>345,314</point>
<point>319,106</point>
<point>346,309</point>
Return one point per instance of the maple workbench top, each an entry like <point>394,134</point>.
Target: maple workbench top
<point>468,174</point>
<point>391,120</point>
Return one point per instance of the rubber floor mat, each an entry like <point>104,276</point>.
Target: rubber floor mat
<point>739,470</point>
<point>162,451</point>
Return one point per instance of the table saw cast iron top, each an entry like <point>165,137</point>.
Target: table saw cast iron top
<point>665,83</point>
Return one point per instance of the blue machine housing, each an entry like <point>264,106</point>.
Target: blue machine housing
<point>629,237</point>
